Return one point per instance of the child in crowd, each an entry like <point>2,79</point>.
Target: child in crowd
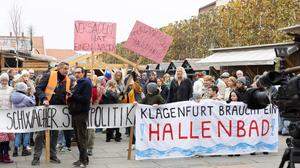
<point>20,99</point>
<point>213,92</point>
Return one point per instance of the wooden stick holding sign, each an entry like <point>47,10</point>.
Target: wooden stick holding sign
<point>130,143</point>
<point>47,144</point>
<point>123,60</point>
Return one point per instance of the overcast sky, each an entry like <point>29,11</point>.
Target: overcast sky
<point>54,19</point>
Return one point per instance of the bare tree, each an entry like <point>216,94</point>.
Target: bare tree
<point>30,33</point>
<point>15,18</point>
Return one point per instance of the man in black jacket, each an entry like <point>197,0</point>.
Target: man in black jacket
<point>79,105</point>
<point>51,90</point>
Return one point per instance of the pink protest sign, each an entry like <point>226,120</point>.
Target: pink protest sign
<point>95,36</point>
<point>148,42</point>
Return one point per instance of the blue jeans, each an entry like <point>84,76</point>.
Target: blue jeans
<point>26,139</point>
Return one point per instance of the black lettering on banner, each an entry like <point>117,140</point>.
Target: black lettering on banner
<point>102,117</point>
<point>121,121</point>
<point>29,122</point>
<point>127,117</point>
<point>187,109</point>
<point>8,115</point>
<point>98,119</point>
<point>65,111</point>
<point>221,110</point>
<point>180,112</point>
<point>143,113</point>
<point>22,119</point>
<point>172,111</point>
<point>108,116</point>
<point>195,111</point>
<point>166,115</point>
<point>52,118</point>
<point>115,118</point>
<point>158,112</point>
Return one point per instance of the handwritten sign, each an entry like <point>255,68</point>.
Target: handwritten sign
<point>148,42</point>
<point>40,118</point>
<point>95,36</point>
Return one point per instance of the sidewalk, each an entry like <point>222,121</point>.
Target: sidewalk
<point>114,155</point>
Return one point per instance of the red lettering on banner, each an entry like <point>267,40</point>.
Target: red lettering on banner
<point>168,129</point>
<point>253,126</point>
<point>180,130</point>
<point>263,128</point>
<point>205,129</point>
<point>153,132</point>
<point>191,132</point>
<point>240,127</point>
<point>228,132</point>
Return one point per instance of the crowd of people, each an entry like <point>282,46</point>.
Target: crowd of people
<point>79,89</point>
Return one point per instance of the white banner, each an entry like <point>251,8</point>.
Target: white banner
<point>58,118</point>
<point>186,129</point>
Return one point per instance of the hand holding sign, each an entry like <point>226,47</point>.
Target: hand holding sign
<point>148,42</point>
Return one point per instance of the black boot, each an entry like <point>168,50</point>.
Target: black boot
<point>15,153</point>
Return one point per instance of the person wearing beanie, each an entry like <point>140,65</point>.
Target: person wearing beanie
<point>153,97</point>
<point>5,104</point>
<point>241,87</point>
<point>20,99</point>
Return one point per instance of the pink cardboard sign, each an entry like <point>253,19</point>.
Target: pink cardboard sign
<point>149,42</point>
<point>95,36</point>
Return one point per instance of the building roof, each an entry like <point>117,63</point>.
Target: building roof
<point>60,54</point>
<point>151,67</point>
<point>242,56</point>
<point>162,66</point>
<point>178,63</point>
<point>38,44</point>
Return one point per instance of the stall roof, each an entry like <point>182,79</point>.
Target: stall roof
<point>241,56</point>
<point>151,67</point>
<point>178,63</point>
<point>162,66</point>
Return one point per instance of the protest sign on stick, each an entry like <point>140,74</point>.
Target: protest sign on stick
<point>95,36</point>
<point>148,42</point>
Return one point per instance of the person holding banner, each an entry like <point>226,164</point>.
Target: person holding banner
<point>20,99</point>
<point>5,104</point>
<point>79,102</point>
<point>52,90</point>
<point>181,88</point>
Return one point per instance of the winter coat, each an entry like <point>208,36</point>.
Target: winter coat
<point>59,96</point>
<point>164,92</point>
<point>151,99</point>
<point>20,100</point>
<point>5,104</point>
<point>5,94</point>
<point>182,92</point>
<point>81,96</point>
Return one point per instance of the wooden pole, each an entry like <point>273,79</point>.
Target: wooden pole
<point>124,60</point>
<point>130,143</point>
<point>47,150</point>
